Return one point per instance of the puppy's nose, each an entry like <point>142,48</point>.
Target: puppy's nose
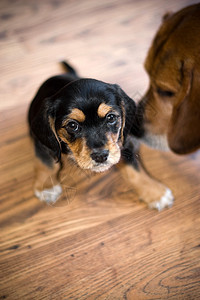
<point>100,156</point>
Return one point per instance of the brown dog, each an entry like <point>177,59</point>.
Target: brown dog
<point>171,106</point>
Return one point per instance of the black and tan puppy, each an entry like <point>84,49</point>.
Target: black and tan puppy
<point>83,118</point>
<point>91,122</point>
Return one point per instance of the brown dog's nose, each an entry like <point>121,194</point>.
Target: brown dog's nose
<point>100,156</point>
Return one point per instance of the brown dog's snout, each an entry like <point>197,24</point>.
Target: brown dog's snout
<point>99,156</point>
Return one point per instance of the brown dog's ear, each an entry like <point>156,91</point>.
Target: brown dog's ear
<point>43,129</point>
<point>184,129</point>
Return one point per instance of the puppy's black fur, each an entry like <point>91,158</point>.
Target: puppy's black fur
<point>87,119</point>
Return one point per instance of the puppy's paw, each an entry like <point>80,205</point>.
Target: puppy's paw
<point>50,195</point>
<point>166,201</point>
<point>156,195</point>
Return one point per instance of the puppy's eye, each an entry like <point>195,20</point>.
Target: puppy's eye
<point>111,118</point>
<point>73,127</point>
<point>165,93</point>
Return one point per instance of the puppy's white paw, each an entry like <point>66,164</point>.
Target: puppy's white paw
<point>49,195</point>
<point>166,200</point>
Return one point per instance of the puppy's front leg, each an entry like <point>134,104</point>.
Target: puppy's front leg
<point>152,192</point>
<point>47,187</point>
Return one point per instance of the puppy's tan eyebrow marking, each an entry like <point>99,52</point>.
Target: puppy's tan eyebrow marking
<point>103,109</point>
<point>77,115</point>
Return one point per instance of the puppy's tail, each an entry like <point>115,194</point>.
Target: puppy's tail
<point>69,69</point>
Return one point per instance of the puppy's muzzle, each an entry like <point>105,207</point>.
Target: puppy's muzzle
<point>99,156</point>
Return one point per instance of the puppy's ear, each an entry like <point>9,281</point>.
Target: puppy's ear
<point>128,110</point>
<point>43,129</point>
<point>184,129</point>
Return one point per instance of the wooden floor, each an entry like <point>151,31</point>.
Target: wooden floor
<point>97,241</point>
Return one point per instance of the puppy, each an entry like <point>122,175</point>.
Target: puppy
<point>86,119</point>
<point>171,106</point>
<point>91,122</point>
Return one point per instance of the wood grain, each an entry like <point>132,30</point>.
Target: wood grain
<point>97,241</point>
